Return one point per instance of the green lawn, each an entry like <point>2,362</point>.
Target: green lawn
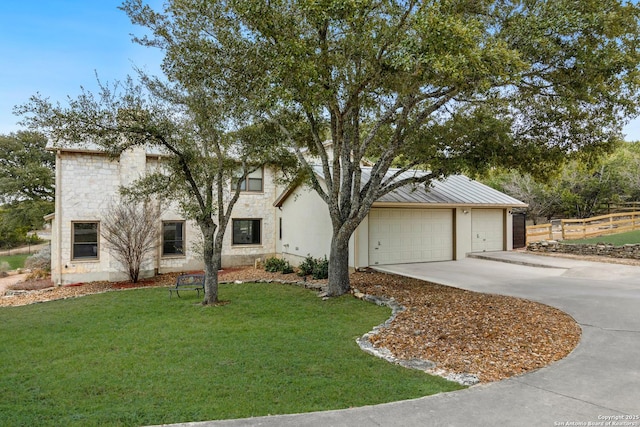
<point>137,357</point>
<point>15,261</point>
<point>614,239</point>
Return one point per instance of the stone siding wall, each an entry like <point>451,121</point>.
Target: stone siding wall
<point>88,182</point>
<point>257,205</point>
<point>600,249</point>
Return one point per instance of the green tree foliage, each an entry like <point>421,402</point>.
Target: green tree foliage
<point>191,125</point>
<point>26,168</point>
<point>442,85</point>
<point>26,185</point>
<point>581,188</point>
<point>626,162</point>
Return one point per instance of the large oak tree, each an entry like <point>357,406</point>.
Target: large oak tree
<point>26,185</point>
<point>203,158</point>
<point>444,85</point>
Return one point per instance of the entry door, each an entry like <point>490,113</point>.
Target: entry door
<point>410,235</point>
<point>487,230</point>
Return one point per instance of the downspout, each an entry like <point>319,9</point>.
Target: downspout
<point>356,246</point>
<point>58,215</point>
<point>159,246</point>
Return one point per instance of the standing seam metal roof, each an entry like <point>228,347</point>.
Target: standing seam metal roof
<point>453,190</point>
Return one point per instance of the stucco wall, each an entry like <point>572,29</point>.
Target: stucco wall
<point>307,229</point>
<point>306,226</point>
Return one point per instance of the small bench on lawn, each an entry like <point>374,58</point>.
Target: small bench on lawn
<point>188,282</point>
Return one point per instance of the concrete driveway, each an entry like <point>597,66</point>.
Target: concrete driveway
<point>599,383</point>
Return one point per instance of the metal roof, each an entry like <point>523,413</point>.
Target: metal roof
<point>453,190</point>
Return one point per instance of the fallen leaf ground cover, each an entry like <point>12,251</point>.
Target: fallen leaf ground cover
<point>491,336</point>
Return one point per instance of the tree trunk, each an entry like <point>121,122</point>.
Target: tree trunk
<point>211,263</point>
<point>339,266</point>
<point>211,268</point>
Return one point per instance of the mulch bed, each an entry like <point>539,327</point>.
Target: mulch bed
<point>491,336</point>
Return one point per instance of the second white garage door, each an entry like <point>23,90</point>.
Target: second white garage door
<point>487,230</point>
<point>410,235</point>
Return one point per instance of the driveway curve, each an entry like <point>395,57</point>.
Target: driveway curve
<point>597,384</point>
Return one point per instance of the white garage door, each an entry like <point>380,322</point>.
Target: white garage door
<point>487,230</point>
<point>410,235</point>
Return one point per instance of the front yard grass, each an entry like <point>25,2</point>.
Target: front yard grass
<point>614,239</point>
<point>14,261</point>
<point>137,357</point>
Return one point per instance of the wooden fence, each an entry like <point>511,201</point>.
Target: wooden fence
<point>538,232</point>
<point>585,228</point>
<point>620,207</point>
<point>600,225</point>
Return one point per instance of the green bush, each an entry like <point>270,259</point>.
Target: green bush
<point>321,269</point>
<point>318,268</point>
<point>274,265</point>
<point>286,268</point>
<point>306,267</point>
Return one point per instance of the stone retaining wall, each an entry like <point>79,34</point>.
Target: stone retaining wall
<point>599,249</point>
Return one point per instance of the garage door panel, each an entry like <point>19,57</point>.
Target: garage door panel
<point>487,230</point>
<point>414,235</point>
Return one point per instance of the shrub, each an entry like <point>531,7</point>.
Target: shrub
<point>37,274</point>
<point>306,267</point>
<point>286,268</point>
<point>318,268</point>
<point>40,260</point>
<point>321,269</point>
<point>274,265</point>
<point>4,268</point>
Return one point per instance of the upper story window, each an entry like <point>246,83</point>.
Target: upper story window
<point>253,181</point>
<point>173,238</point>
<point>85,240</point>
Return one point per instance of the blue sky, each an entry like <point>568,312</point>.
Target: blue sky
<point>53,47</point>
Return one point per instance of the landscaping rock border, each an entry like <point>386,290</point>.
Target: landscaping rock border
<point>629,251</point>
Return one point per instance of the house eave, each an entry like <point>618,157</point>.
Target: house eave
<point>75,150</point>
<point>94,152</point>
<point>418,205</point>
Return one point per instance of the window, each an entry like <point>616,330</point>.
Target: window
<point>173,238</point>
<point>85,240</point>
<point>246,232</point>
<point>253,181</point>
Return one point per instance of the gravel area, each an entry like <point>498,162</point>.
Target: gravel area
<point>490,336</point>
